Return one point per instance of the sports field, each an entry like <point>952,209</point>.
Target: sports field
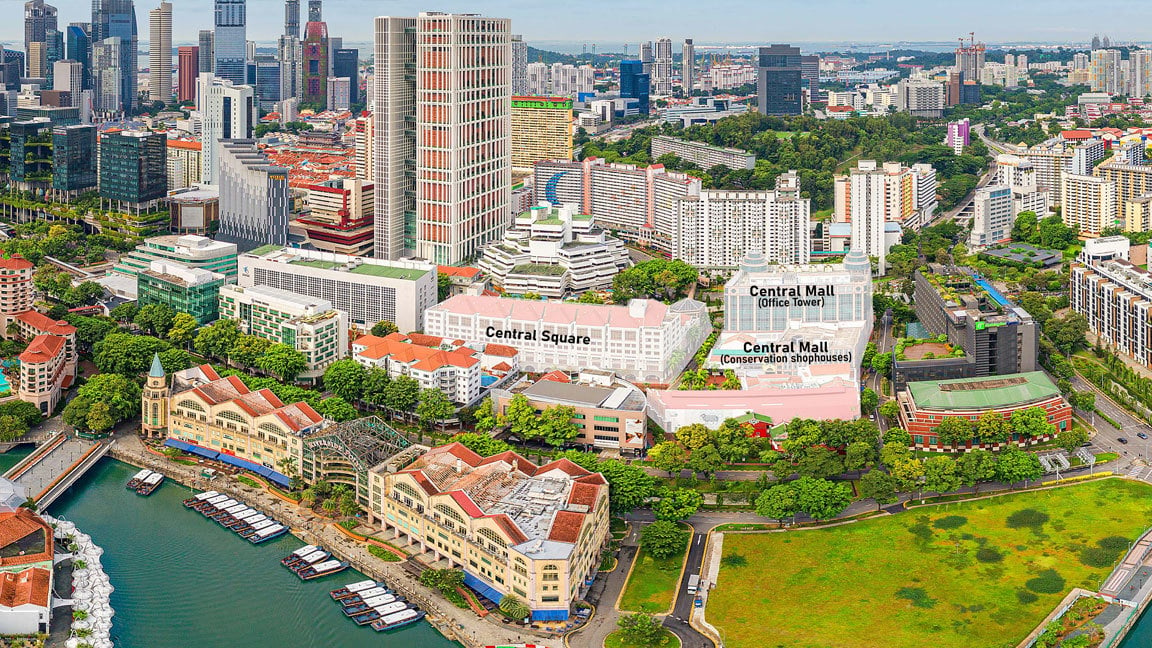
<point>980,573</point>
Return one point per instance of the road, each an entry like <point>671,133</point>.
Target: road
<point>677,622</point>
<point>988,176</point>
<point>1107,437</point>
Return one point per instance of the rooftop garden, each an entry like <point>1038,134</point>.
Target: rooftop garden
<point>539,269</point>
<point>926,349</point>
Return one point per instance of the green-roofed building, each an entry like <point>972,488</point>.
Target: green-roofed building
<point>190,250</point>
<point>925,404</point>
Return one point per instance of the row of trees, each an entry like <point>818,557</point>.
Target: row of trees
<point>655,279</point>
<point>374,387</point>
<point>69,243</point>
<point>224,341</point>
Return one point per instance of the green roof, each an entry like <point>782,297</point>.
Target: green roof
<point>315,263</point>
<point>539,269</point>
<point>989,392</point>
<point>406,274</point>
<point>265,249</point>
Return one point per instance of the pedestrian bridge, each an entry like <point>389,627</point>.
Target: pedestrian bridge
<point>54,466</point>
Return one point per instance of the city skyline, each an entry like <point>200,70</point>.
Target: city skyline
<point>1029,21</point>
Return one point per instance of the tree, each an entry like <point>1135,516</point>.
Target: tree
<point>1055,235</point>
<point>677,504</point>
<point>337,409</point>
<point>628,485</point>
<point>12,427</point>
<point>376,380</point>
<point>589,297</point>
<point>706,459</point>
<point>821,499</point>
<point>878,485</point>
<point>156,319</point>
<point>991,427</point>
<point>668,456</point>
<point>1085,400</point>
<point>402,394</point>
<point>556,425</point>
<point>778,502</point>
<point>175,360</point>
<point>1024,227</point>
<point>76,412</point>
<point>117,392</point>
<point>216,339</point>
<point>890,410</point>
<point>345,378</point>
<point>283,361</point>
<point>514,608</point>
<point>1031,422</point>
<point>99,417</point>
<point>976,466</point>
<point>868,401</point>
<point>1067,332</point>
<point>182,330</point>
<point>732,441</point>
<point>1072,438</point>
<point>482,444</point>
<point>384,328</point>
<point>1015,465</point>
<point>860,455</point>
<point>485,416</point>
<point>819,462</point>
<point>638,629</point>
<point>694,436</point>
<point>124,313</point>
<point>953,430</point>
<point>908,473</point>
<point>663,539</point>
<point>443,286</point>
<point>90,330</point>
<point>348,504</point>
<point>433,407</point>
<point>941,475</point>
<point>125,353</point>
<point>882,363</point>
<point>23,410</point>
<point>247,350</point>
<point>521,418</point>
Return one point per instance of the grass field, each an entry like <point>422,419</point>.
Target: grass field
<point>652,584</point>
<point>980,573</point>
<point>666,640</point>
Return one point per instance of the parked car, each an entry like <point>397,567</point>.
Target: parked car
<point>1142,435</point>
<point>1122,440</point>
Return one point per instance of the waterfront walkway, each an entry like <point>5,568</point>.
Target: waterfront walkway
<point>454,623</point>
<point>53,467</point>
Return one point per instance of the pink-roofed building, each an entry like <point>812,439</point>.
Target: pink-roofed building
<point>645,341</point>
<point>454,371</point>
<point>674,409</point>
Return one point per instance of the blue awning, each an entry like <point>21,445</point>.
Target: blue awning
<point>550,615</point>
<point>194,449</point>
<point>263,471</point>
<point>484,589</point>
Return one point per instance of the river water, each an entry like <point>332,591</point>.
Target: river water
<point>183,581</point>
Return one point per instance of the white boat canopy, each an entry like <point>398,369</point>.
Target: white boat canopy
<point>142,474</point>
<point>267,531</point>
<point>361,586</point>
<point>327,565</point>
<point>207,495</point>
<point>306,549</point>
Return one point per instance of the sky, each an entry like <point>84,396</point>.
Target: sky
<point>760,21</point>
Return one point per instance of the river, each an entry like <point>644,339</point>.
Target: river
<point>182,580</point>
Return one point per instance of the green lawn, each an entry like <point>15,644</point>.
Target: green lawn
<point>980,573</point>
<point>666,640</point>
<point>652,585</point>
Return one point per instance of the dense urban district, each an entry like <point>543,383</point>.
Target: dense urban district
<point>704,347</point>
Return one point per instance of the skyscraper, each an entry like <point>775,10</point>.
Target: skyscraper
<point>107,75</point>
<point>315,13</point>
<point>230,41</point>
<point>646,57</point>
<point>314,60</point>
<point>778,80</point>
<point>346,64</point>
<point>1104,71</point>
<point>228,112</point>
<point>133,167</point>
<point>207,46</point>
<point>444,194</point>
<point>635,83</point>
<point>68,75</point>
<point>292,18</point>
<point>160,53</point>
<point>519,66</point>
<point>117,19</point>
<point>688,67</point>
<point>970,60</point>
<point>38,18</point>
<point>288,53</point>
<point>188,65</point>
<point>78,48</point>
<point>267,81</point>
<point>810,76</point>
<point>662,67</point>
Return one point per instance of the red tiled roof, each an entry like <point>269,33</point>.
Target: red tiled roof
<point>502,350</point>
<point>584,494</point>
<point>425,340</point>
<point>453,271</point>
<point>503,366</point>
<point>509,527</point>
<point>19,524</point>
<point>45,324</point>
<point>510,457</point>
<point>556,376</point>
<point>15,262</point>
<point>1076,134</point>
<point>43,348</point>
<point>566,526</point>
<point>565,465</point>
<point>29,587</point>
<point>184,144</point>
<point>466,503</point>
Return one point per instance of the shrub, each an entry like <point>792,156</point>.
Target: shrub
<point>988,555</point>
<point>383,554</point>
<point>1048,581</point>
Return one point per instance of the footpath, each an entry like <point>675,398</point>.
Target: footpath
<point>457,624</point>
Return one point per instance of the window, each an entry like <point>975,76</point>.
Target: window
<point>191,405</point>
<point>607,419</point>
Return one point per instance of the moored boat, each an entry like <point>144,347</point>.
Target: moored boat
<point>322,569</point>
<point>267,533</point>
<point>366,595</point>
<point>352,589</point>
<point>299,553</point>
<point>149,484</point>
<point>397,620</point>
<point>139,477</point>
<point>238,520</point>
<point>199,498</point>
<point>354,608</point>
<point>240,526</point>
<point>308,560</point>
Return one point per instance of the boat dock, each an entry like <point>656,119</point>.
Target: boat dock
<point>55,466</point>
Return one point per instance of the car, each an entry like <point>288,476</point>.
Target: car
<point>1122,440</point>
<point>698,603</point>
<point>1142,435</point>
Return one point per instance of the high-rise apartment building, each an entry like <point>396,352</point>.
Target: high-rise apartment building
<point>717,229</point>
<point>571,80</point>
<point>133,168</point>
<point>229,47</point>
<point>458,156</point>
<point>339,216</point>
<point>338,92</point>
<point>160,53</point>
<point>992,217</point>
<point>688,67</point>
<point>1019,175</point>
<point>206,50</point>
<point>958,135</point>
<point>253,196</point>
<point>778,80</point>
<point>1088,203</point>
<point>1140,73</point>
<point>541,130</point>
<point>292,18</point>
<point>346,65</point>
<point>289,53</point>
<point>364,132</point>
<point>662,67</point>
<point>227,111</point>
<point>646,57</point>
<point>117,19</point>
<point>315,63</point>
<point>922,97</point>
<point>185,164</point>
<point>871,196</point>
<point>635,84</point>
<point>1104,71</point>
<point>519,66</point>
<point>970,60</point>
<point>188,71</point>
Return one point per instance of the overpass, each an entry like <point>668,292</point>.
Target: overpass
<point>55,466</point>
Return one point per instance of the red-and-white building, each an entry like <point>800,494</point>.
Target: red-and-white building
<point>44,372</point>
<point>48,365</point>
<point>340,216</point>
<point>456,370</point>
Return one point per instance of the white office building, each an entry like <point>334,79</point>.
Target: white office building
<point>227,111</point>
<point>992,217</point>
<point>718,228</point>
<point>254,196</point>
<point>645,341</point>
<point>368,290</point>
<point>554,252</point>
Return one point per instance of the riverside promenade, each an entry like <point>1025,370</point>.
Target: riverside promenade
<point>454,623</point>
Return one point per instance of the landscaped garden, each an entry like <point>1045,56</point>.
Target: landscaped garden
<point>652,584</point>
<point>980,573</point>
